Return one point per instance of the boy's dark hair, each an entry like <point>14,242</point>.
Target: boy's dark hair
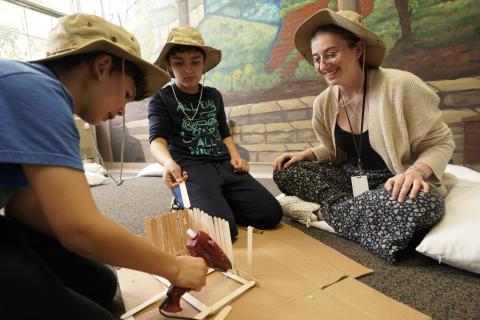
<point>183,49</point>
<point>130,68</point>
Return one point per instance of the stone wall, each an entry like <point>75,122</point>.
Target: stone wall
<point>267,129</point>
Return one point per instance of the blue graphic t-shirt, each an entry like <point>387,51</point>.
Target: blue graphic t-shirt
<point>192,133</point>
<point>36,122</point>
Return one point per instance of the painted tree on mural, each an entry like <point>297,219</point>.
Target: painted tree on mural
<point>405,9</point>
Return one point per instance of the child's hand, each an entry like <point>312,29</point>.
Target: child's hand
<point>192,273</point>
<point>173,175</point>
<point>239,164</point>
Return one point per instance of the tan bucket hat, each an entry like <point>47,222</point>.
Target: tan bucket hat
<point>83,33</point>
<point>188,36</point>
<point>349,20</point>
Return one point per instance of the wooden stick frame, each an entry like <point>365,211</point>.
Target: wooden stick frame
<point>168,231</point>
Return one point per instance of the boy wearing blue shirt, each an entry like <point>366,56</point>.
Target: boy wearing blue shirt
<point>190,137</point>
<point>53,239</point>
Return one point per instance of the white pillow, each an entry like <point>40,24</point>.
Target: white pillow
<point>463,173</point>
<point>94,178</point>
<point>94,168</point>
<point>455,239</point>
<point>152,170</point>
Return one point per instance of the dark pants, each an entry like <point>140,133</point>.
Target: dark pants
<point>39,279</point>
<point>236,197</point>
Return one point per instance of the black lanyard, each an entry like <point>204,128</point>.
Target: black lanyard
<point>358,147</point>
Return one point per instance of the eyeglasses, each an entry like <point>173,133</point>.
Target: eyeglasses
<point>328,57</point>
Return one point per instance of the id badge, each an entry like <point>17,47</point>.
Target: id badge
<point>359,185</point>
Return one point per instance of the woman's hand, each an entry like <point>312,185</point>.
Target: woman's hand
<point>239,164</point>
<point>172,174</point>
<point>287,159</point>
<point>408,182</point>
<point>192,273</point>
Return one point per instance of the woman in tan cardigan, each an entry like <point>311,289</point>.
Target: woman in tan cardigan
<point>378,172</point>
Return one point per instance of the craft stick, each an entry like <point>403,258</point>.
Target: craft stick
<point>221,233</point>
<point>154,232</point>
<point>203,314</point>
<point>218,238</point>
<point>147,222</point>
<point>228,240</point>
<point>235,277</point>
<point>211,228</point>
<point>194,302</point>
<point>205,222</point>
<point>170,233</point>
<point>196,218</point>
<point>166,241</point>
<point>249,252</point>
<point>223,313</point>
<point>183,222</point>
<point>159,296</point>
<point>191,220</point>
<point>229,297</point>
<point>174,233</point>
<point>188,219</point>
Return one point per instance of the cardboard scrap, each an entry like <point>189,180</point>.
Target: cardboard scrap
<point>300,278</point>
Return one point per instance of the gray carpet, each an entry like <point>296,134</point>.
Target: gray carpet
<point>437,290</point>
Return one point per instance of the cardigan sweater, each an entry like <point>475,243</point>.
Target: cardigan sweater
<point>404,125</point>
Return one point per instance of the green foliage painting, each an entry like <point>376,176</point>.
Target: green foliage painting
<point>258,51</point>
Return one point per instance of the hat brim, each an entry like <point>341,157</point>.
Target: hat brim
<point>213,56</point>
<point>155,78</point>
<point>374,45</point>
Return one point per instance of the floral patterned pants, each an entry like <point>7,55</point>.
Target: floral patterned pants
<point>380,224</point>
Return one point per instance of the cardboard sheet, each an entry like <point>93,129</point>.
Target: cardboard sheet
<point>298,278</point>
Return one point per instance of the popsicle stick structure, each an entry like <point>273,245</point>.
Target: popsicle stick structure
<point>169,232</point>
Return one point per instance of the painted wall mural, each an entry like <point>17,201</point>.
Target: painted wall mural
<point>269,89</point>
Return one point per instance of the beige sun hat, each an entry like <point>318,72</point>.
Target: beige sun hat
<point>188,36</point>
<point>349,20</point>
<point>83,33</point>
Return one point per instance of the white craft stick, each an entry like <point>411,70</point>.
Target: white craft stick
<point>229,297</point>
<point>184,193</point>
<point>144,305</point>
<point>235,277</point>
<point>211,229</point>
<point>219,233</point>
<point>228,240</point>
<point>194,302</point>
<point>223,313</point>
<point>249,252</point>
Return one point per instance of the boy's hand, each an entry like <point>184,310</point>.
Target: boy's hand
<point>173,175</point>
<point>239,164</point>
<point>192,273</point>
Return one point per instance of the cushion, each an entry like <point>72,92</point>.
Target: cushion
<point>463,173</point>
<point>94,168</point>
<point>152,170</point>
<point>94,173</point>
<point>454,240</point>
<point>94,179</point>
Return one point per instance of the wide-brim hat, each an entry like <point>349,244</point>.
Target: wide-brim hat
<point>349,20</point>
<point>83,33</point>
<point>188,36</point>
